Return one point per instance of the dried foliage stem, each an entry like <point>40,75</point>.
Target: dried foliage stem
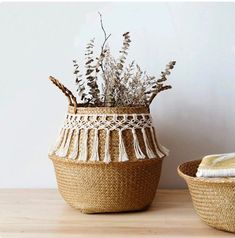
<point>105,34</point>
<point>159,87</point>
<point>102,56</point>
<point>118,85</point>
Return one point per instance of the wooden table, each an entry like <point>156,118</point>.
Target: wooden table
<point>42,213</point>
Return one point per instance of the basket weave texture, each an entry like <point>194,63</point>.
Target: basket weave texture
<point>213,199</point>
<point>97,187</point>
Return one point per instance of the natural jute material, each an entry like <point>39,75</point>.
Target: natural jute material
<point>213,198</point>
<point>108,159</point>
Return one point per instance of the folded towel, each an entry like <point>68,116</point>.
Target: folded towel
<point>219,165</point>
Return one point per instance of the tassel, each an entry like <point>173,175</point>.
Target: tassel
<point>138,152</point>
<point>62,144</point>
<point>160,149</point>
<point>58,142</point>
<point>73,155</point>
<point>83,149</point>
<point>122,151</point>
<point>95,149</point>
<point>107,157</point>
<point>149,151</point>
<point>164,150</point>
<point>63,151</point>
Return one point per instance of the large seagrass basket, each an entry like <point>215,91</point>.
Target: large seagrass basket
<point>107,159</point>
<point>213,198</point>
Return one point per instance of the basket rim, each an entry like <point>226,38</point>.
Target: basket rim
<point>104,107</point>
<point>220,180</point>
<point>107,110</point>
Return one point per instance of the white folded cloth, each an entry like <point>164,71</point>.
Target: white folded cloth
<point>217,165</point>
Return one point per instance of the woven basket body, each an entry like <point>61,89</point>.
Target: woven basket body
<point>213,199</point>
<point>105,161</point>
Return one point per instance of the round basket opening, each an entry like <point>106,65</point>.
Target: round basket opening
<point>189,168</point>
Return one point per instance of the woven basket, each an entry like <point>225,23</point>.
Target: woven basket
<point>107,159</point>
<point>213,199</point>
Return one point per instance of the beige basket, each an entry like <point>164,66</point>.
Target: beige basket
<point>102,169</point>
<point>115,187</point>
<point>213,199</point>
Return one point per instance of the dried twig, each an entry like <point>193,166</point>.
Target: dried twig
<point>102,56</point>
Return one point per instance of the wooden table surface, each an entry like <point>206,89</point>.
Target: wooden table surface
<point>42,213</point>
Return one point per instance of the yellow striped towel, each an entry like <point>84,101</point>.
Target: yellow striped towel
<point>218,165</point>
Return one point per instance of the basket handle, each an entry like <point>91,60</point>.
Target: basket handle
<point>72,99</point>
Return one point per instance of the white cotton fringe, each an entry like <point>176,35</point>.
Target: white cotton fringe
<point>138,152</point>
<point>149,151</point>
<point>160,150</point>
<point>107,157</point>
<point>63,149</point>
<point>122,151</point>
<point>75,125</point>
<point>74,153</point>
<point>164,149</point>
<point>58,142</point>
<point>95,148</point>
<point>83,149</point>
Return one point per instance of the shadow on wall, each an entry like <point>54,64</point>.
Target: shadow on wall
<point>191,139</point>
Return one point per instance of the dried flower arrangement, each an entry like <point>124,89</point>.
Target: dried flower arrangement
<point>120,85</point>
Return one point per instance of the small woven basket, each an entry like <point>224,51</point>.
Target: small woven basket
<point>108,159</point>
<point>213,198</point>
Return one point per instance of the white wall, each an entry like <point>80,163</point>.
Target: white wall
<point>40,39</point>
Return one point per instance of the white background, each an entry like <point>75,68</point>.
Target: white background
<point>195,118</point>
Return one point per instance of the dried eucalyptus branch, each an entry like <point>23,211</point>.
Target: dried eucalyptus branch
<point>123,54</point>
<point>158,87</point>
<point>91,76</point>
<point>120,85</point>
<point>80,83</point>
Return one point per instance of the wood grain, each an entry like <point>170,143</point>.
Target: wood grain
<point>42,213</point>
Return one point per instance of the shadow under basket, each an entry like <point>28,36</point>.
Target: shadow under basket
<point>96,187</point>
<point>213,198</point>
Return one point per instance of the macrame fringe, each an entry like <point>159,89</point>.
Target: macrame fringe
<point>60,150</point>
<point>107,157</point>
<point>66,143</point>
<point>164,150</point>
<point>149,151</point>
<point>58,142</point>
<point>83,149</point>
<point>138,152</point>
<point>74,153</point>
<point>76,125</point>
<point>95,148</point>
<point>122,151</point>
<point>160,149</point>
